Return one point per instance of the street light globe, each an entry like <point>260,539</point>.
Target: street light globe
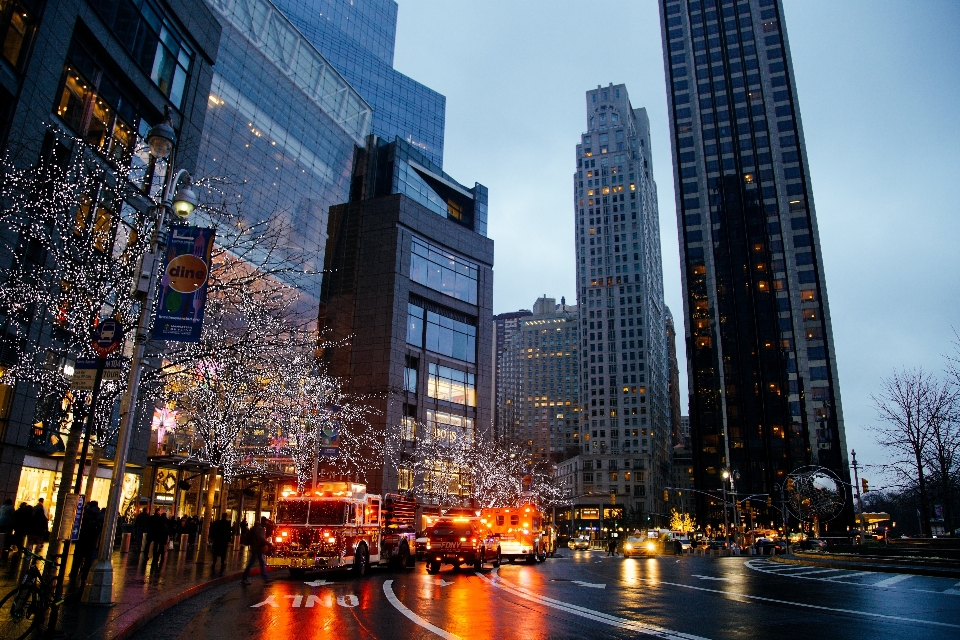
<point>725,474</point>
<point>161,139</point>
<point>185,202</point>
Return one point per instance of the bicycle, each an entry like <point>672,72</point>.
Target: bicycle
<point>22,610</point>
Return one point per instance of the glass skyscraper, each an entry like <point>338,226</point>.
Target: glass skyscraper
<point>358,37</point>
<point>624,415</point>
<point>764,396</point>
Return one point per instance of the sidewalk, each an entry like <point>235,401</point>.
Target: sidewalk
<point>140,592</point>
<point>914,566</point>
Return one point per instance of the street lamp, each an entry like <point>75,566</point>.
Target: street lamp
<point>724,475</point>
<point>181,202</point>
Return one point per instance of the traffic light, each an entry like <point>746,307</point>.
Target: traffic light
<point>666,496</point>
<point>864,484</point>
<point>789,485</point>
<point>769,502</point>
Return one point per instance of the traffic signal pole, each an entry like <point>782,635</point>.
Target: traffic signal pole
<point>856,486</point>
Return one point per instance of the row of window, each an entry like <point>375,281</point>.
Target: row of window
<point>442,271</point>
<point>441,334</point>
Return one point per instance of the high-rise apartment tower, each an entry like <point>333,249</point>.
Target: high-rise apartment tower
<point>764,397</point>
<point>624,415</point>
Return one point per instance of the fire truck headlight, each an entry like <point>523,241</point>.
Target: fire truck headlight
<point>428,545</point>
<point>463,539</point>
<point>279,539</point>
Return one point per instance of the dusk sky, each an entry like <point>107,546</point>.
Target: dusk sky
<point>879,100</point>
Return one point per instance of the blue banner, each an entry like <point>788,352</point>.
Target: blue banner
<point>182,290</point>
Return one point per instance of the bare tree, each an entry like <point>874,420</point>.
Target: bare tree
<point>911,406</point>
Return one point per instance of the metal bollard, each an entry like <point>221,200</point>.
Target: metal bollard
<point>184,541</point>
<point>125,543</point>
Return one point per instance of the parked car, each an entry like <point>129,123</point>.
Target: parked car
<point>813,544</point>
<point>768,547</point>
<point>685,543</point>
<point>638,546</point>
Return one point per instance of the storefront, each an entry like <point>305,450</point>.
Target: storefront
<point>40,478</point>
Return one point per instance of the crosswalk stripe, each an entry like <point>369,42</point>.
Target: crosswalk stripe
<point>892,580</point>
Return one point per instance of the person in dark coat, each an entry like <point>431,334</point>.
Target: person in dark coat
<point>39,525</point>
<point>258,545</point>
<point>159,535</point>
<point>141,525</point>
<point>91,524</point>
<point>21,524</point>
<point>6,523</point>
<point>220,534</point>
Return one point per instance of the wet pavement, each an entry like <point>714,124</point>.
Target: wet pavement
<point>584,594</point>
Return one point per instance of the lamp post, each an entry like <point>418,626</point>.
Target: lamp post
<point>726,523</point>
<point>181,202</point>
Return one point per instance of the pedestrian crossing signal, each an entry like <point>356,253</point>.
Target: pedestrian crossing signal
<point>769,502</point>
<point>666,496</point>
<point>864,484</point>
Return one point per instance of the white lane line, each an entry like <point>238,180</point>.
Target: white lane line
<point>590,614</point>
<point>892,580</point>
<point>399,606</point>
<point>847,576</point>
<point>810,573</point>
<point>802,604</point>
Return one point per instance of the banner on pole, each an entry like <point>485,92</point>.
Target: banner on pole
<point>182,290</point>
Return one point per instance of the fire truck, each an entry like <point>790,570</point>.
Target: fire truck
<point>460,540</point>
<point>520,531</point>
<point>339,526</point>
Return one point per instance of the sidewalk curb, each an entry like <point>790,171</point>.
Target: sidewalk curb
<point>128,628</point>
<point>864,566</point>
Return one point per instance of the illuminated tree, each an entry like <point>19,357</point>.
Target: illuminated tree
<point>681,522</point>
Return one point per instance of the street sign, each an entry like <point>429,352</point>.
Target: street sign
<point>78,516</point>
<point>72,513</point>
<point>85,372</point>
<point>107,337</point>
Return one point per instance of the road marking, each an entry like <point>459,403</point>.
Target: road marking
<point>845,576</point>
<point>696,575</point>
<point>399,606</point>
<point>810,573</point>
<point>270,601</point>
<point>802,604</point>
<point>317,583</point>
<point>589,584</point>
<point>886,582</point>
<point>349,601</point>
<point>590,614</point>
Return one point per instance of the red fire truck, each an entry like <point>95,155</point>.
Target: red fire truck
<point>339,526</point>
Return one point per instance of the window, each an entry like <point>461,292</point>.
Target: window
<point>451,337</point>
<point>17,27</point>
<point>152,41</point>
<point>442,271</point>
<point>94,108</point>
<point>404,479</point>
<point>410,379</point>
<point>414,325</point>
<point>449,428</point>
<point>452,385</point>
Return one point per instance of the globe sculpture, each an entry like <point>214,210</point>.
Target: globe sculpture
<point>817,494</point>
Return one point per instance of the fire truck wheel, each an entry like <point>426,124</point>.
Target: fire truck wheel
<point>433,567</point>
<point>498,559</point>
<point>411,561</point>
<point>478,562</point>
<point>361,560</point>
<point>532,558</point>
<point>403,558</point>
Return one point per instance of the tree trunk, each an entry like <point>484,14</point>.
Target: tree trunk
<point>207,515</point>
<point>66,484</point>
<point>924,505</point>
<point>94,465</point>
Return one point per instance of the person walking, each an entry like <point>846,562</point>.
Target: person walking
<point>91,524</point>
<point>221,532</point>
<point>21,524</point>
<point>141,524</point>
<point>612,547</point>
<point>258,546</point>
<point>6,524</point>
<point>159,534</point>
<point>39,526</point>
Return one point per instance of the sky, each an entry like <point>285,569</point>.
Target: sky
<point>879,101</point>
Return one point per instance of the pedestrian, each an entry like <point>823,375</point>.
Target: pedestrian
<point>612,547</point>
<point>258,546</point>
<point>91,524</point>
<point>21,524</point>
<point>677,547</point>
<point>220,535</point>
<point>244,532</point>
<point>39,526</point>
<point>159,534</point>
<point>6,524</point>
<point>141,524</point>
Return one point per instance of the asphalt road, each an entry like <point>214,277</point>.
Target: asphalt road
<point>583,594</point>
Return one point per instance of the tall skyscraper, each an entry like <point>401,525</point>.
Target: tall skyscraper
<point>764,396</point>
<point>504,326</point>
<point>624,415</point>
<point>541,382</point>
<point>358,37</point>
<point>673,386</point>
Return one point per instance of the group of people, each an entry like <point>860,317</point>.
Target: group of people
<point>25,527</point>
<point>161,529</point>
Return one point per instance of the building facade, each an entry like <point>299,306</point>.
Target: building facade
<point>541,360</point>
<point>92,71</point>
<point>358,39</point>
<point>624,459</point>
<point>673,385</point>
<point>504,380</point>
<point>410,289</point>
<point>764,394</point>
